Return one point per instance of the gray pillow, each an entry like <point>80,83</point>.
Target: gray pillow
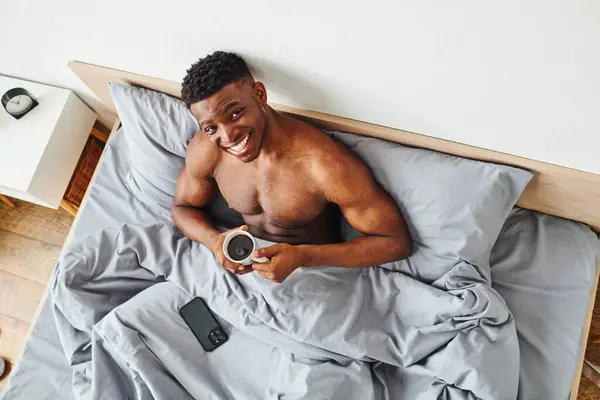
<point>157,130</point>
<point>454,207</point>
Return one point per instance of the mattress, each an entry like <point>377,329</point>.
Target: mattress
<point>543,266</point>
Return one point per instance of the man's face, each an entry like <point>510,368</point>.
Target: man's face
<point>235,119</point>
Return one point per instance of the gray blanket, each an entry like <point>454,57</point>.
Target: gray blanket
<point>325,333</point>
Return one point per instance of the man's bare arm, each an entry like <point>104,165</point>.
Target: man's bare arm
<point>370,210</point>
<point>192,194</point>
<point>195,190</point>
<point>343,179</point>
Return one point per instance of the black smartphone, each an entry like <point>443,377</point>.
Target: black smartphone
<point>203,324</point>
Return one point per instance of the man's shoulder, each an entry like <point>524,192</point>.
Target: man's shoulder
<point>328,159</point>
<point>201,157</point>
<point>314,142</point>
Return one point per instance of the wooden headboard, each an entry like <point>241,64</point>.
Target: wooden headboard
<point>554,190</point>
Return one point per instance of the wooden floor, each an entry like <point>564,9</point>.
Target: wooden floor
<point>588,390</point>
<point>31,238</point>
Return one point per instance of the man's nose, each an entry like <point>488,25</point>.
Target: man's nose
<point>230,135</point>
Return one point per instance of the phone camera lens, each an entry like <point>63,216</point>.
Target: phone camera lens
<point>217,336</point>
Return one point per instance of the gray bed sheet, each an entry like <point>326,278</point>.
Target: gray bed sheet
<point>542,266</point>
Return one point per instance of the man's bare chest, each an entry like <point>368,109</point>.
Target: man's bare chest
<point>284,194</point>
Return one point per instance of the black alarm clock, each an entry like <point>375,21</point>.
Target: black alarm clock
<point>18,102</point>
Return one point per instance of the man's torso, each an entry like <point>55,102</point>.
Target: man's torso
<point>279,200</point>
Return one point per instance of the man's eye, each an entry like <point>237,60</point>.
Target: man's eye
<point>210,130</point>
<point>237,113</point>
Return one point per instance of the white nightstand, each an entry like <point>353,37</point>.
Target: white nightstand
<point>39,152</point>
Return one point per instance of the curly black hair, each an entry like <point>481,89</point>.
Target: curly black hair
<point>212,73</point>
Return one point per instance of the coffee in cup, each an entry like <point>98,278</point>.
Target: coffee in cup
<point>238,247</point>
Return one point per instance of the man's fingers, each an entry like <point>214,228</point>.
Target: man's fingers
<point>242,269</point>
<point>270,276</point>
<point>266,275</point>
<point>264,267</point>
<point>233,267</point>
<point>245,271</point>
<point>267,252</point>
<point>239,267</point>
<point>243,228</point>
<point>262,273</point>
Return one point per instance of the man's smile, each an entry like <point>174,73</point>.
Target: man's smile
<point>241,147</point>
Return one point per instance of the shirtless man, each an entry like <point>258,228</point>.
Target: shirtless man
<point>288,179</point>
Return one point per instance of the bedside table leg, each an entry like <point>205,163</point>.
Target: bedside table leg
<point>7,201</point>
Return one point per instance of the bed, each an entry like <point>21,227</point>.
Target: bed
<point>544,267</point>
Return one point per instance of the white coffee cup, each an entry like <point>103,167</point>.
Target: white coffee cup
<point>238,247</point>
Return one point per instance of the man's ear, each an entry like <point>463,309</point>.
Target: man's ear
<point>260,92</point>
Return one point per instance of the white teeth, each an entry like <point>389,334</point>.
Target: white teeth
<point>238,147</point>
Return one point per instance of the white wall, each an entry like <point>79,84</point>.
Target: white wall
<point>518,76</point>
